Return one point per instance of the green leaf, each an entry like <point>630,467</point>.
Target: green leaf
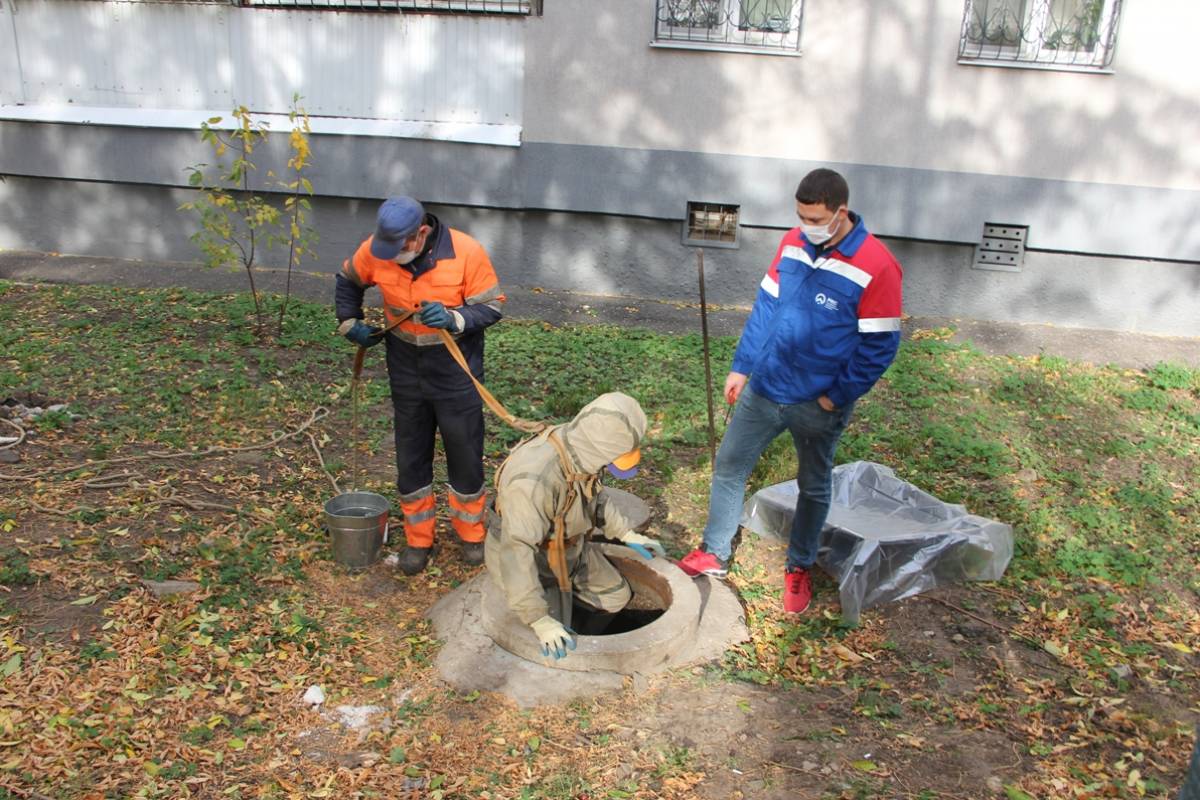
<point>437,782</point>
<point>413,771</point>
<point>213,120</point>
<point>237,744</point>
<point>141,697</point>
<point>397,756</point>
<point>86,601</point>
<point>12,666</point>
<point>864,765</point>
<point>1013,793</point>
<point>535,744</point>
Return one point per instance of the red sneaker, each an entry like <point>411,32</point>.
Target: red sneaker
<point>698,562</point>
<point>797,590</point>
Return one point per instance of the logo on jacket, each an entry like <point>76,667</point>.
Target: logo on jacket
<point>830,303</point>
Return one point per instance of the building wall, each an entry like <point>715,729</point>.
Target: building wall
<point>933,148</point>
<point>617,136</point>
<point>604,254</point>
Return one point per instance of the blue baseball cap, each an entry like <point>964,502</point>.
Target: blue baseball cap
<point>399,218</point>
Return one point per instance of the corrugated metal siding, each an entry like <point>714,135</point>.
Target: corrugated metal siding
<point>438,68</point>
<point>10,72</point>
<point>142,55</point>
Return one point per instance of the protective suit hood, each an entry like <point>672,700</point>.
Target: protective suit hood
<point>609,426</point>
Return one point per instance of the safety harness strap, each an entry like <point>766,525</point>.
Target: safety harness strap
<point>492,403</point>
<point>557,545</point>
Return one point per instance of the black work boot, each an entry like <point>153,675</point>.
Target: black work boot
<point>472,553</point>
<point>414,559</point>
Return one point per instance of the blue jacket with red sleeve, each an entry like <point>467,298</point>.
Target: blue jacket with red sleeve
<point>826,321</point>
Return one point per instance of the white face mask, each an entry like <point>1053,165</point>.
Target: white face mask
<point>820,234</point>
<point>406,256</point>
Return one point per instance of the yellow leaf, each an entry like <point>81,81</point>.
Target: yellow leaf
<point>846,654</point>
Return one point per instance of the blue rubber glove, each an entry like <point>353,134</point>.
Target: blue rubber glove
<point>553,637</point>
<point>644,546</point>
<point>436,315</point>
<point>641,551</point>
<point>362,334</point>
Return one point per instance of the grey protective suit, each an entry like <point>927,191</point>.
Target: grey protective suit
<point>529,489</point>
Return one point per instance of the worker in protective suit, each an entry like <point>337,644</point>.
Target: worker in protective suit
<point>547,500</point>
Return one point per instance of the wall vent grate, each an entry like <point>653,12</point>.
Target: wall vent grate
<point>711,225</point>
<point>1001,248</point>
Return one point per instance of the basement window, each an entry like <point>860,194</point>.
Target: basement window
<point>1001,248</point>
<point>711,225</point>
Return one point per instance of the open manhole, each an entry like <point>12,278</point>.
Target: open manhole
<point>658,624</point>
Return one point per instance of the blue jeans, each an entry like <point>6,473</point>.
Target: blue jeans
<point>755,424</point>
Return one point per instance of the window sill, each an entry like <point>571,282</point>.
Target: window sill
<point>471,133</point>
<point>1037,65</point>
<point>721,47</point>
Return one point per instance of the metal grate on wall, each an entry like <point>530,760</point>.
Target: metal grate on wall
<point>711,225</point>
<point>1001,248</point>
<point>754,24</point>
<point>1078,34</point>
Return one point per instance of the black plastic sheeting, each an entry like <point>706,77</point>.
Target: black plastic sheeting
<point>885,539</point>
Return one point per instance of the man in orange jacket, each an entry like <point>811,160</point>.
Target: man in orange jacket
<point>443,275</point>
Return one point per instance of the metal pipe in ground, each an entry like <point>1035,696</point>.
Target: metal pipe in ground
<point>708,381</point>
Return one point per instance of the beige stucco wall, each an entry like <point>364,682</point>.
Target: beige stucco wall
<point>877,83</point>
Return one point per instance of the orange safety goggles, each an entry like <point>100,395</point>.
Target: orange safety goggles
<point>625,466</point>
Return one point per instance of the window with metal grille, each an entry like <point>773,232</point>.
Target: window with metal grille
<point>523,7</point>
<point>771,26</point>
<point>711,225</point>
<point>1072,34</point>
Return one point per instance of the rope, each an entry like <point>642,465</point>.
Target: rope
<point>127,479</point>
<point>318,414</point>
<point>497,408</point>
<point>317,449</point>
<point>20,437</point>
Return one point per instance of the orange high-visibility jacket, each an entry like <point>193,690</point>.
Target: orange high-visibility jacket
<point>457,272</point>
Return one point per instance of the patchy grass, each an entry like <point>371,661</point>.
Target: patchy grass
<point>1073,677</point>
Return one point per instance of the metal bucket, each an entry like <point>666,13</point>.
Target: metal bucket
<point>358,526</point>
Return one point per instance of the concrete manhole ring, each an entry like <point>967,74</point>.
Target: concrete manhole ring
<point>649,648</point>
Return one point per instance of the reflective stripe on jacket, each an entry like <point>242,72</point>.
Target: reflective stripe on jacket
<point>456,271</point>
<point>826,321</point>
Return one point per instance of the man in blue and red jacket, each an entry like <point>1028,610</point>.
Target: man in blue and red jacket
<point>825,326</point>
